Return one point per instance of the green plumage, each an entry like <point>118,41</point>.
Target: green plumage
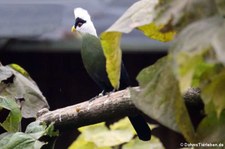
<point>95,64</point>
<point>95,61</point>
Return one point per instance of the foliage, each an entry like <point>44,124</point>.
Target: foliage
<point>195,59</point>
<point>113,54</point>
<point>29,139</point>
<point>139,15</point>
<point>21,97</point>
<point>167,105</point>
<point>17,84</point>
<point>12,121</point>
<point>138,144</point>
<point>98,136</point>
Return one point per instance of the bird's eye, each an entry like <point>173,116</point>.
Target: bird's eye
<point>79,24</point>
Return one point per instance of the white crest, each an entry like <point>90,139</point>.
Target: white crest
<point>87,27</point>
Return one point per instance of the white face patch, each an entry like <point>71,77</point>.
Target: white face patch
<point>81,13</point>
<point>83,22</point>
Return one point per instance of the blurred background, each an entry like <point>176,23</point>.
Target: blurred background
<point>36,35</point>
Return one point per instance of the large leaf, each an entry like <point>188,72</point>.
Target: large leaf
<point>37,130</point>
<point>213,93</point>
<point>82,143</point>
<point>140,15</point>
<point>23,89</point>
<point>207,34</point>
<point>123,126</point>
<point>202,43</point>
<point>154,143</point>
<point>111,47</point>
<point>190,67</point>
<point>26,140</point>
<point>212,128</point>
<point>178,14</point>
<point>12,122</point>
<point>101,136</point>
<point>20,140</point>
<point>221,7</point>
<point>157,32</point>
<point>98,136</point>
<point>159,98</point>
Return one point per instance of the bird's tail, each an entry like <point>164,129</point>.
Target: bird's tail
<point>141,127</point>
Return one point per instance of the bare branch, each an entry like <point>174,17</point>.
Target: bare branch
<point>115,105</point>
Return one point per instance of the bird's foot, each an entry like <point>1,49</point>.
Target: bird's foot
<point>109,93</point>
<point>99,95</point>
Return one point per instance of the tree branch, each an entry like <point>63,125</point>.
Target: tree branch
<point>115,105</point>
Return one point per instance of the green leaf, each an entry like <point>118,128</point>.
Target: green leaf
<point>188,66</point>
<point>122,130</point>
<point>37,129</point>
<point>199,72</point>
<point>98,136</point>
<point>111,46</point>
<point>213,92</point>
<point>209,43</point>
<point>221,7</point>
<point>154,143</point>
<point>178,14</point>
<point>22,89</point>
<point>12,122</point>
<point>81,143</point>
<point>122,125</point>
<point>192,50</point>
<point>29,139</point>
<point>154,31</point>
<point>20,140</point>
<point>212,128</point>
<point>160,98</point>
<point>19,69</point>
<point>140,15</point>
<point>101,136</point>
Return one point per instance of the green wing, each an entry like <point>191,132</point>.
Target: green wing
<point>95,61</point>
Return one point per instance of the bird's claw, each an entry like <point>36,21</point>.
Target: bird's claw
<point>99,95</point>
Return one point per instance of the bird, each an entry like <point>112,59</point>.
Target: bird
<point>95,64</point>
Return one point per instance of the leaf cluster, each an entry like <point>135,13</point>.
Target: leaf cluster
<point>195,59</point>
<point>118,135</point>
<point>21,97</point>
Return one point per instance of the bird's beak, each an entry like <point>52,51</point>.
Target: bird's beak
<point>73,29</point>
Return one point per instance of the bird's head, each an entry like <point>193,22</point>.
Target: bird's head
<point>83,22</point>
